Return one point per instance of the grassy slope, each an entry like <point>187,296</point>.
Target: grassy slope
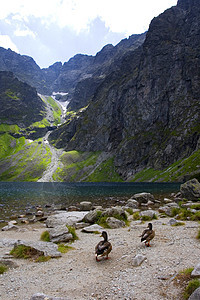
<point>180,170</point>
<point>86,166</point>
<point>22,160</point>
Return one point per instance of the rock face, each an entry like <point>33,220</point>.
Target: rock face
<point>140,98</point>
<point>146,110</point>
<point>19,102</point>
<point>79,77</point>
<point>191,190</point>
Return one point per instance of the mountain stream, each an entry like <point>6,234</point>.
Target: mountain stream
<point>55,153</point>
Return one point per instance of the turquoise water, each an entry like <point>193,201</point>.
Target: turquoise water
<point>15,197</point>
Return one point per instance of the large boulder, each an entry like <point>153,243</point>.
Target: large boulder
<point>43,248</point>
<point>92,228</point>
<point>143,197</point>
<point>132,203</point>
<point>195,295</point>
<point>65,218</point>
<point>113,211</point>
<point>60,234</point>
<point>85,205</point>
<point>191,190</point>
<point>92,216</point>
<point>167,210</point>
<point>148,213</point>
<point>10,227</point>
<point>115,223</point>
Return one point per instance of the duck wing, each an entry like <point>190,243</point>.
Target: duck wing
<point>103,247</point>
<point>144,234</point>
<point>150,236</point>
<point>147,235</point>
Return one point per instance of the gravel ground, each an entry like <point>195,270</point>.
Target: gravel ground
<point>77,275</point>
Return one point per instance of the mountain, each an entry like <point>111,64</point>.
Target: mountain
<point>133,112</point>
<point>80,72</point>
<point>146,109</point>
<point>20,104</point>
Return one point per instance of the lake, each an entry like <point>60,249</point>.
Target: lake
<point>15,197</point>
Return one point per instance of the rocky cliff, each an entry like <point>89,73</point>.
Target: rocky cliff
<point>19,102</point>
<point>79,77</point>
<point>146,110</point>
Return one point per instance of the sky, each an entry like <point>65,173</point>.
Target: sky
<point>55,30</point>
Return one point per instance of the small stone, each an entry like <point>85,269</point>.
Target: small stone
<point>196,271</point>
<point>138,260</point>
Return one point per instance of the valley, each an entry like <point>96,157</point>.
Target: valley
<point>133,109</point>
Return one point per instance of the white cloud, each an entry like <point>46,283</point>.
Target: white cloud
<point>6,43</point>
<point>128,16</point>
<point>24,32</point>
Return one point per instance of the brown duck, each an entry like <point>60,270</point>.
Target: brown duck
<point>103,248</point>
<point>147,235</point>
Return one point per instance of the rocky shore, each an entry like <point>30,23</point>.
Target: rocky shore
<point>132,271</point>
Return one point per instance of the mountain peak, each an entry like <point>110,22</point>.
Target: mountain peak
<point>187,4</point>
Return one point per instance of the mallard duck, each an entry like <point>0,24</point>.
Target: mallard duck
<point>147,235</point>
<point>104,247</point>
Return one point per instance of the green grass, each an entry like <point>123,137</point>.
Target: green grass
<point>196,216</point>
<point>24,162</point>
<point>3,268</point>
<point>84,166</point>
<point>148,218</point>
<point>191,287</point>
<point>196,206</point>
<point>5,128</point>
<point>129,210</point>
<point>9,145</point>
<point>172,173</point>
<point>136,216</point>
<point>56,110</point>
<point>105,172</point>
<point>179,224</point>
<point>64,248</point>
<point>9,93</point>
<point>102,220</point>
<point>198,235</point>
<point>45,236</point>
<point>25,252</point>
<point>41,124</point>
<point>73,232</point>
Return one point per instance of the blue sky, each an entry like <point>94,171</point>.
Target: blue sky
<point>56,30</point>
